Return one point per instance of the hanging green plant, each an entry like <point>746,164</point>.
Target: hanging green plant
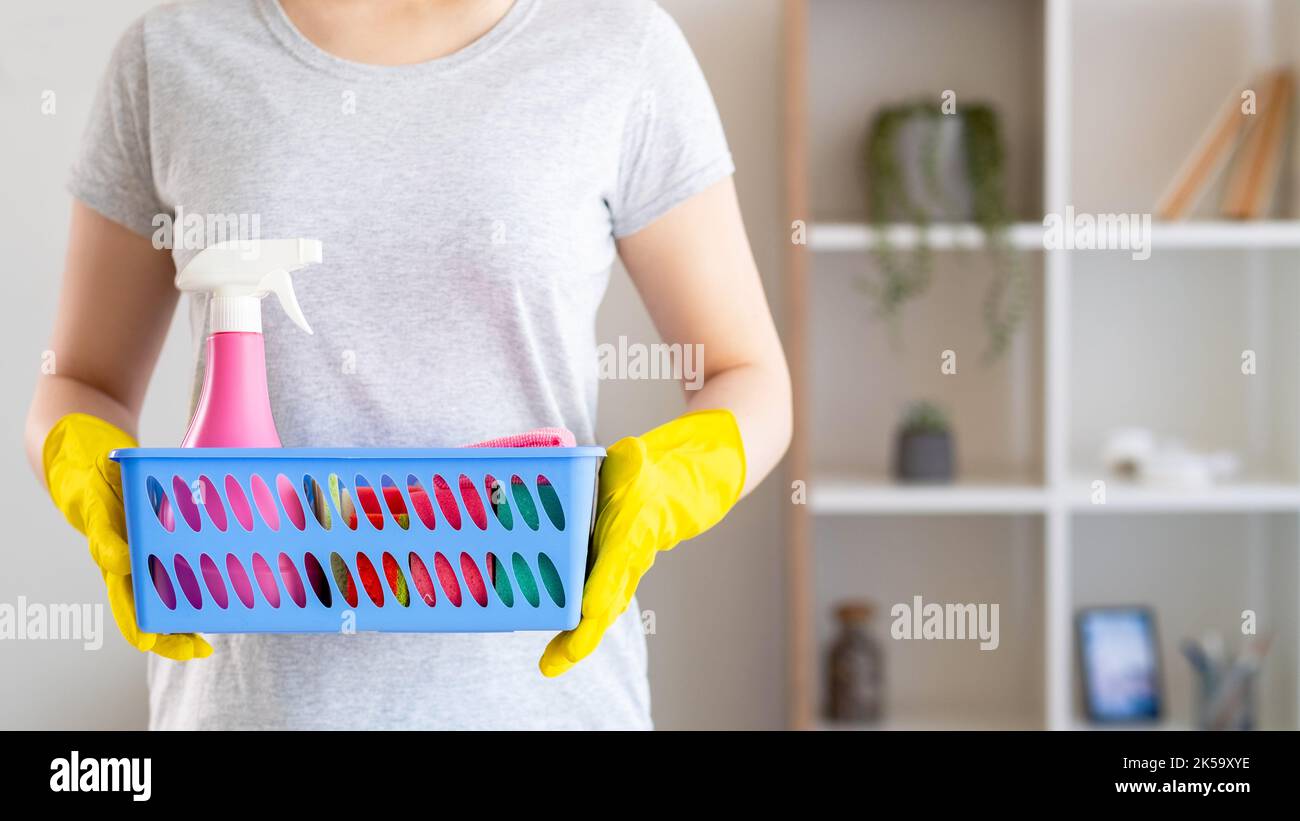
<point>902,277</point>
<point>980,194</point>
<point>1007,299</point>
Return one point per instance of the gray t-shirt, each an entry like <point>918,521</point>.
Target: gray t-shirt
<point>468,208</point>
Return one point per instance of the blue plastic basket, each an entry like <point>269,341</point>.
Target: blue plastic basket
<point>228,540</point>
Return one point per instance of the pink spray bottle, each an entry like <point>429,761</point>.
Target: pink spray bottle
<point>234,409</point>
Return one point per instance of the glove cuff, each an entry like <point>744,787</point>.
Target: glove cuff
<point>700,458</point>
<point>71,448</point>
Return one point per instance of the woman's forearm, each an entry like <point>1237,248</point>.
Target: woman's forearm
<point>115,305</point>
<point>56,397</point>
<point>759,397</point>
<point>696,274</point>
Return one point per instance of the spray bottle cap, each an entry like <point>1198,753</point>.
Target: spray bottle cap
<point>239,273</point>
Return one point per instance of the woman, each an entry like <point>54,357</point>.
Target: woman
<point>472,167</point>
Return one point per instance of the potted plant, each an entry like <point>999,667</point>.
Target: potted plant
<point>924,445</point>
<point>923,166</point>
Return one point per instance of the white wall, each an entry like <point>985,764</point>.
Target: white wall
<point>717,657</point>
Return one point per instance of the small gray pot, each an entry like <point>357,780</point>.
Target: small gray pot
<point>923,457</point>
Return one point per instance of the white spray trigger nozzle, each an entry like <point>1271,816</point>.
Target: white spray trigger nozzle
<point>239,273</point>
<point>279,283</point>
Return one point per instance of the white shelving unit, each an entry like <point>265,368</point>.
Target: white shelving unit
<point>1113,342</point>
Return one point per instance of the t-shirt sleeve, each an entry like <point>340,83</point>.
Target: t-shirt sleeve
<point>673,142</point>
<point>113,171</point>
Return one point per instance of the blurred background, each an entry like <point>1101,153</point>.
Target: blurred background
<point>1099,446</point>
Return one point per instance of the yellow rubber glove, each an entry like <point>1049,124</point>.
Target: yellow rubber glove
<point>87,486</point>
<point>656,490</point>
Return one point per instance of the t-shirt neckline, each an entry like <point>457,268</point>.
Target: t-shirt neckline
<point>304,49</point>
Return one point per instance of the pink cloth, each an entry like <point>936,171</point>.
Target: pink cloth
<point>540,438</point>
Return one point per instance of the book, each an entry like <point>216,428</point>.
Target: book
<point>1253,179</point>
<point>1209,157</point>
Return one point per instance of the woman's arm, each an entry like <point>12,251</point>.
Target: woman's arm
<point>116,303</point>
<point>114,308</point>
<point>696,274</point>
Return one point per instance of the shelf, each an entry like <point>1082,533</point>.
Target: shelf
<point>1083,725</point>
<point>889,560</point>
<point>850,236</point>
<point>989,52</point>
<point>832,237</point>
<point>845,495</point>
<point>1168,359</point>
<point>1214,234</point>
<point>938,722</point>
<point>994,723</point>
<point>868,370</point>
<point>1120,158</point>
<point>1243,497</point>
<point>1197,572</point>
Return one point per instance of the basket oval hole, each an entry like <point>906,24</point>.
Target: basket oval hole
<point>500,581</point>
<point>343,501</point>
<point>266,580</point>
<point>496,494</point>
<point>212,578</point>
<point>292,581</point>
<point>550,502</point>
<point>370,579</point>
<point>473,579</point>
<point>316,578</point>
<point>239,580</point>
<point>396,580</point>
<point>420,501</point>
<point>315,495</point>
<point>369,502</point>
<point>447,578</point>
<point>421,579</point>
<point>524,578</point>
<point>162,506</point>
<point>162,583</point>
<point>239,503</point>
<point>343,579</point>
<point>187,501</point>
<point>551,579</point>
<point>212,503</point>
<point>446,501</point>
<point>524,501</point>
<point>473,504</point>
<point>265,502</point>
<point>292,505</point>
<point>396,504</point>
<point>188,583</point>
